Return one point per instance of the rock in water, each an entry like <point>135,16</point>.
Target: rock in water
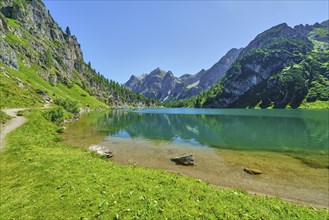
<point>187,160</point>
<point>252,171</point>
<point>101,150</point>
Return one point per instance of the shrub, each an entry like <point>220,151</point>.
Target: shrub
<point>68,105</point>
<point>48,58</point>
<point>60,130</point>
<point>3,117</point>
<point>55,115</point>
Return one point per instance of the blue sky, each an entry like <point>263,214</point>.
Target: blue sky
<point>121,38</point>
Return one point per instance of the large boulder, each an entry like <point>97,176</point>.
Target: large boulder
<point>104,151</point>
<point>186,160</point>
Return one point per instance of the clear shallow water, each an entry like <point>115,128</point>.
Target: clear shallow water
<point>272,130</point>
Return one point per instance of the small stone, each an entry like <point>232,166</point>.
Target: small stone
<point>252,171</point>
<point>186,160</point>
<point>21,85</point>
<point>104,151</point>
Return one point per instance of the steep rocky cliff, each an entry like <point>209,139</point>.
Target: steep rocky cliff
<point>32,42</point>
<point>218,70</point>
<point>165,86</point>
<point>282,67</point>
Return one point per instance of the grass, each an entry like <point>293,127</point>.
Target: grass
<point>3,117</point>
<point>44,179</point>
<point>12,23</point>
<point>12,39</point>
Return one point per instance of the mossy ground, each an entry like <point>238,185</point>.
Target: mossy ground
<point>44,179</point>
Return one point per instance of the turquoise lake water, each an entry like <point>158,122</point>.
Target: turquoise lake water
<point>247,129</point>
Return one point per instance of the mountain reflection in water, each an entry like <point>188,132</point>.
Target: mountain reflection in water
<point>229,128</point>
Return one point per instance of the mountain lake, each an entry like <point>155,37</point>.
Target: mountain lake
<point>290,147</point>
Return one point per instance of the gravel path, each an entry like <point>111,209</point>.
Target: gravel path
<point>12,124</point>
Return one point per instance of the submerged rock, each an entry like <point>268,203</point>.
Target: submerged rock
<point>187,160</point>
<point>252,171</point>
<point>104,151</point>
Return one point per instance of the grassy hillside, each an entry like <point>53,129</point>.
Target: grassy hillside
<point>18,88</point>
<point>56,181</point>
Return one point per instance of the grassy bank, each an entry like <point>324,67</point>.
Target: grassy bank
<point>3,117</point>
<point>44,179</point>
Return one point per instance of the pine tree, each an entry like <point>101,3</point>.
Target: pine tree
<point>49,58</point>
<point>68,31</point>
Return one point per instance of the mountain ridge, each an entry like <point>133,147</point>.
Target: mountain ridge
<point>185,86</point>
<point>282,67</point>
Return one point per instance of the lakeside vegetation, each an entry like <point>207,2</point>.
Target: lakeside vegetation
<point>56,181</point>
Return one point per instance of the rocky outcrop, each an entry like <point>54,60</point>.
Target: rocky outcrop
<point>8,55</point>
<point>44,96</point>
<point>186,160</point>
<point>38,27</point>
<point>218,70</point>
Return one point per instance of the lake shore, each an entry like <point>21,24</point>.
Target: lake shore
<point>284,176</point>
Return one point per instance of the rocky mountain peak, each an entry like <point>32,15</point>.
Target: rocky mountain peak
<point>133,77</point>
<point>268,36</point>
<point>157,71</point>
<point>169,74</point>
<point>164,85</point>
